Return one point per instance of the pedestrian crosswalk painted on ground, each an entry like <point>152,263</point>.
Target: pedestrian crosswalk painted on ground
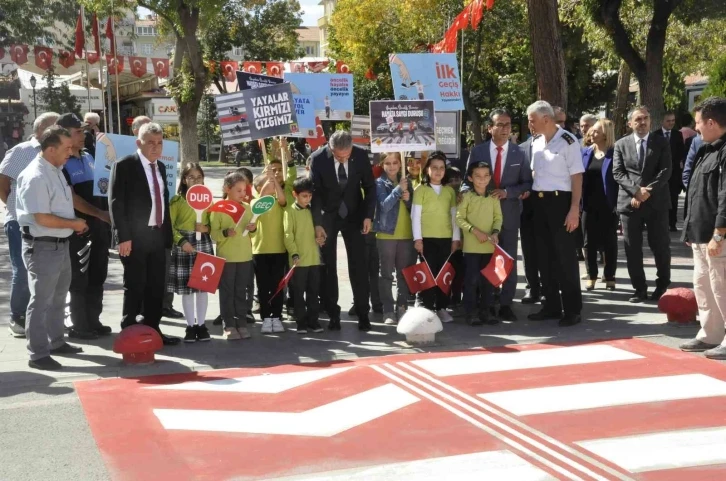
<point>618,410</point>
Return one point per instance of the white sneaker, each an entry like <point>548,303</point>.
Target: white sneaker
<point>266,326</point>
<point>277,325</point>
<point>444,316</point>
<point>389,318</point>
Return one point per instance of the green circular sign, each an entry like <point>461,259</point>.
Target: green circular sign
<point>263,204</point>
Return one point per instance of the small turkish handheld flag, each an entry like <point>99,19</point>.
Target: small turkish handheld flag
<point>446,277</point>
<point>499,267</point>
<point>206,273</point>
<point>419,277</point>
<point>283,282</point>
<point>232,209</point>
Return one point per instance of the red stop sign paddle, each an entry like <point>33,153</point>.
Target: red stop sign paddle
<point>199,198</point>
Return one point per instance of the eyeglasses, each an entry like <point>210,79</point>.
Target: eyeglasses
<point>194,178</point>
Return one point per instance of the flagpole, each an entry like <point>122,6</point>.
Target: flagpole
<point>461,75</point>
<point>106,120</point>
<point>88,68</point>
<point>115,60</point>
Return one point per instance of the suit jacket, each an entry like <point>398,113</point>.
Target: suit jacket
<point>655,174</point>
<point>611,187</point>
<point>516,179</point>
<point>131,200</point>
<point>328,194</point>
<point>678,152</point>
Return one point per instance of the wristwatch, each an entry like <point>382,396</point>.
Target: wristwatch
<point>717,237</point>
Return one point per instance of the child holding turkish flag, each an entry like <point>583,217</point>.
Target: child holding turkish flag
<point>184,252</point>
<point>236,250</point>
<point>480,217</point>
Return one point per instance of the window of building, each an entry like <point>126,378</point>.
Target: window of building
<point>146,31</point>
<point>237,52</point>
<point>146,49</point>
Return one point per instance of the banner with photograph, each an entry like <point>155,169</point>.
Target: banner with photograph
<point>256,114</point>
<point>401,125</point>
<point>249,81</point>
<point>332,93</point>
<point>430,76</point>
<point>448,133</point>
<point>360,129</point>
<point>305,111</point>
<point>113,147</point>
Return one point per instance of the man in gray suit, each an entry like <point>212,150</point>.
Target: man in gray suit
<point>642,167</point>
<point>511,177</point>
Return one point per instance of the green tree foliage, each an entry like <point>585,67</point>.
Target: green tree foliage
<point>58,97</point>
<point>28,22</point>
<point>716,79</point>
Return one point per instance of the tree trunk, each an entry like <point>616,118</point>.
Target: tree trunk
<point>549,58</point>
<point>620,112</point>
<point>188,137</point>
<point>471,111</point>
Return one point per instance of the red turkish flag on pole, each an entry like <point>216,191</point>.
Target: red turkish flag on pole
<point>450,40</point>
<point>92,57</point>
<point>110,36</point>
<point>283,282</point>
<point>80,37</point>
<point>252,67</point>
<point>490,4</point>
<point>232,209</point>
<point>229,70</point>
<point>66,58</point>
<point>137,66</point>
<point>445,277</point>
<point>499,267</point>
<point>275,69</point>
<point>419,277</point>
<point>161,67</point>
<point>341,67</point>
<point>477,11</point>
<point>96,38</point>
<point>113,68</point>
<point>43,57</point>
<point>320,140</point>
<point>462,20</point>
<point>19,54</point>
<point>206,273</point>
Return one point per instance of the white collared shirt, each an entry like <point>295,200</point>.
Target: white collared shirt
<point>666,133</point>
<point>493,155</point>
<point>555,162</point>
<point>147,170</point>
<point>338,164</point>
<point>638,139</point>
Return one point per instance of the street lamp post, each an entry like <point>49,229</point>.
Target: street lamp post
<point>35,105</point>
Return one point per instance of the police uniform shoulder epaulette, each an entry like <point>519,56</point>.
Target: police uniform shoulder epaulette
<point>568,138</point>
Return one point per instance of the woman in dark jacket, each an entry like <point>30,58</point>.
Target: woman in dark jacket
<point>599,198</point>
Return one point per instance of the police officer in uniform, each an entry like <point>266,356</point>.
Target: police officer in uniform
<point>45,214</point>
<point>556,193</point>
<point>88,251</point>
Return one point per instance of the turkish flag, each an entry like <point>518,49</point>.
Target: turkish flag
<point>450,40</point>
<point>96,38</point>
<point>43,57</point>
<point>66,58</point>
<point>110,36</point>
<point>499,267</point>
<point>341,67</point>
<point>283,282</point>
<point>80,37</point>
<point>138,66</point>
<point>161,67</point>
<point>446,277</point>
<point>295,67</point>
<point>316,142</point>
<point>477,11</point>
<point>232,209</point>
<point>112,67</point>
<point>206,273</point>
<point>419,277</point>
<point>462,20</point>
<point>252,67</point>
<point>370,74</point>
<point>19,54</point>
<point>229,70</point>
<point>317,67</point>
<point>92,57</point>
<point>490,4</point>
<point>275,69</point>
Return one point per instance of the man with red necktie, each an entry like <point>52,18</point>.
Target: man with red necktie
<point>140,213</point>
<point>511,177</point>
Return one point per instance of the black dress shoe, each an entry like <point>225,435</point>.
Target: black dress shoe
<point>639,296</point>
<point>378,309</point>
<point>102,330</point>
<point>217,321</point>
<point>531,297</point>
<point>657,294</point>
<point>169,340</point>
<point>507,314</point>
<point>486,318</point>
<point>171,313</point>
<point>46,363</point>
<point>83,335</point>
<point>66,349</point>
<point>334,324</point>
<point>352,311</point>
<point>473,321</point>
<point>543,315</point>
<point>570,320</point>
<point>364,325</point>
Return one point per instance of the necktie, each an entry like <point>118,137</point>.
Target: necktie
<point>641,154</point>
<point>498,168</point>
<point>342,182</point>
<point>668,134</point>
<point>157,196</point>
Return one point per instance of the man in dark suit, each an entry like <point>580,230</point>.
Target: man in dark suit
<point>678,156</point>
<point>140,216</point>
<point>344,201</point>
<point>533,289</point>
<point>511,177</point>
<point>642,167</point>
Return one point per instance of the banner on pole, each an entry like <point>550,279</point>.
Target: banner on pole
<point>448,133</point>
<point>402,125</point>
<point>332,93</point>
<point>305,111</point>
<point>249,81</point>
<point>430,76</point>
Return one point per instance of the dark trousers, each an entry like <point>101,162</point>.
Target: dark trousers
<point>306,284</point>
<point>436,251</point>
<point>357,267</point>
<point>144,279</point>
<point>168,296</point>
<point>529,246</point>
<point>269,270</point>
<point>601,230</point>
<point>373,262</point>
<point>675,186</point>
<point>478,291</point>
<point>556,253</point>
<point>233,300</point>
<point>89,262</point>
<point>656,223</point>
<point>508,242</point>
